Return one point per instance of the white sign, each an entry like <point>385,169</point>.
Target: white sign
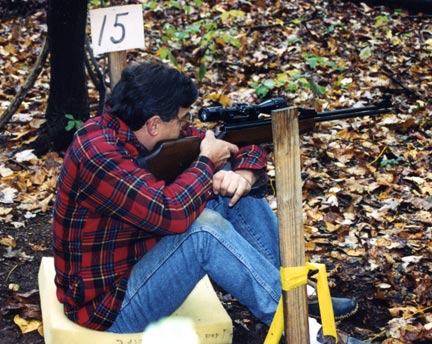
<point>117,28</point>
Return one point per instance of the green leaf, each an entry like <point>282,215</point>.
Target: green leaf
<point>210,26</point>
<point>237,13</point>
<point>365,53</point>
<point>172,58</point>
<point>182,35</point>
<point>391,162</point>
<point>312,62</point>
<point>294,41</point>
<point>269,84</point>
<point>70,125</point>
<point>232,14</point>
<point>331,64</point>
<point>78,124</point>
<point>329,29</point>
<point>164,53</point>
<point>152,5</point>
<point>381,20</point>
<point>261,91</point>
<point>316,88</point>
<point>72,122</point>
<point>176,5</point>
<point>202,71</point>
<point>224,16</point>
<point>235,42</point>
<point>292,87</point>
<point>298,21</point>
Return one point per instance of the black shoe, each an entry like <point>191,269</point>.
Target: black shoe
<point>342,308</point>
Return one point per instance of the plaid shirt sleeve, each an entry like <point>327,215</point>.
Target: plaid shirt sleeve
<point>250,157</point>
<point>111,184</point>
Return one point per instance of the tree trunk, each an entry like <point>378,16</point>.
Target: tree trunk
<point>68,83</point>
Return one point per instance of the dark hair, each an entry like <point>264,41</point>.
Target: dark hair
<point>149,89</point>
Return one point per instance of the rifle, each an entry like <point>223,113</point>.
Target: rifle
<point>242,124</point>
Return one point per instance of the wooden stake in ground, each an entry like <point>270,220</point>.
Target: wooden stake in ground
<point>290,218</point>
<point>117,62</point>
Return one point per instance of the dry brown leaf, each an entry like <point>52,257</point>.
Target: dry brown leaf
<point>26,326</point>
<point>404,312</point>
<point>5,211</point>
<point>8,241</point>
<point>38,248</point>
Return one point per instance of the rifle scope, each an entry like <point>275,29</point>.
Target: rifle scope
<point>241,112</point>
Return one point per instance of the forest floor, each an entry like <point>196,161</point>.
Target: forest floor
<point>367,182</point>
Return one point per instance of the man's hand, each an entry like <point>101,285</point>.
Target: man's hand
<point>218,151</point>
<point>235,184</point>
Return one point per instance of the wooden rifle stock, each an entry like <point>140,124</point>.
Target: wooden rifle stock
<point>172,157</point>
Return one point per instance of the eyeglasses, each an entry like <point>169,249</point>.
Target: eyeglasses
<point>185,121</point>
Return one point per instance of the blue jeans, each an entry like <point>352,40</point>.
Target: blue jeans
<point>237,247</point>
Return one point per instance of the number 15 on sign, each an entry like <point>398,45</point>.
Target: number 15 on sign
<point>117,28</point>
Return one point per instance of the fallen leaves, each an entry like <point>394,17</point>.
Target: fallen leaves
<point>26,308</point>
<point>7,194</point>
<point>367,183</point>
<point>27,326</point>
<point>17,254</point>
<point>8,241</point>
<point>28,182</point>
<point>375,199</point>
<point>404,329</point>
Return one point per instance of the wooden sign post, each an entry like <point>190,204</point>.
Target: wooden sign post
<point>117,62</point>
<point>115,30</point>
<point>290,218</point>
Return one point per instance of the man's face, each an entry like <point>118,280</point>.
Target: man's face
<point>172,129</point>
<point>155,130</point>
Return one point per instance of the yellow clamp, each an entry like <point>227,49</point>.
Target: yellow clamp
<point>294,277</point>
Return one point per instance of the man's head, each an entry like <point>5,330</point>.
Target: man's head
<point>152,96</point>
<point>148,89</point>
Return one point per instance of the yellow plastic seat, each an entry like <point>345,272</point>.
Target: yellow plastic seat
<point>211,322</point>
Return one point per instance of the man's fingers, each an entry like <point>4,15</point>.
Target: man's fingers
<point>230,184</point>
<point>234,199</point>
<point>217,181</point>
<point>233,148</point>
<point>223,184</point>
<point>242,189</point>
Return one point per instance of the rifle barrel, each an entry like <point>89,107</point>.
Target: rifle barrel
<point>330,116</point>
<point>309,114</point>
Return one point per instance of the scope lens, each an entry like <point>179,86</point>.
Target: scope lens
<point>210,114</point>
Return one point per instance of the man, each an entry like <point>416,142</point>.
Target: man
<point>129,248</point>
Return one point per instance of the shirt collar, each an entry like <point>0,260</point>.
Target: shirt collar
<point>124,133</point>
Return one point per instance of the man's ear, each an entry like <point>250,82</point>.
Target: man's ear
<point>152,125</point>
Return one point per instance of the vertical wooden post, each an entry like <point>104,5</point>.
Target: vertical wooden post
<point>290,218</point>
<point>117,62</point>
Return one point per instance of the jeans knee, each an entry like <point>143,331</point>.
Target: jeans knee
<point>210,219</point>
<point>211,222</point>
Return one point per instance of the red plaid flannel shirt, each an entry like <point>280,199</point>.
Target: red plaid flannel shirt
<point>109,212</point>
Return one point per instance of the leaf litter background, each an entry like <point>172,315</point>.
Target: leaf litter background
<point>367,181</point>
